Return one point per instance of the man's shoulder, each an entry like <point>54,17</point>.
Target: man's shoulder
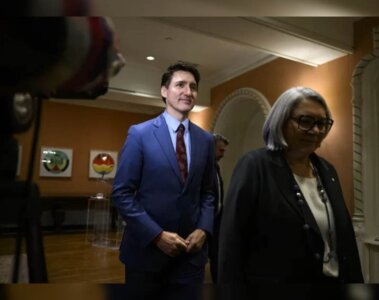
<point>197,129</point>
<point>146,125</point>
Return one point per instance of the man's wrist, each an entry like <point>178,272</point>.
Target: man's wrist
<point>203,231</point>
<point>157,238</point>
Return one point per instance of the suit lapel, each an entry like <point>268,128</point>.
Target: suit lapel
<point>195,151</point>
<point>286,184</point>
<point>163,137</point>
<point>220,188</point>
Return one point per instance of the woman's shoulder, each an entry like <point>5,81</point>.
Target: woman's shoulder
<point>261,153</point>
<point>322,163</point>
<point>321,160</point>
<point>256,156</point>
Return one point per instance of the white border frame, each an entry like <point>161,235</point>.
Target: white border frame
<point>66,173</point>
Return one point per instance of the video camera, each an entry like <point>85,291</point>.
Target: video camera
<point>60,57</point>
<point>41,58</point>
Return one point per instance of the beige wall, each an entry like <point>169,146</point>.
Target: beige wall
<point>83,128</point>
<point>332,80</point>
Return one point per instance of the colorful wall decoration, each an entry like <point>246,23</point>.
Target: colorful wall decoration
<point>55,162</point>
<point>102,164</point>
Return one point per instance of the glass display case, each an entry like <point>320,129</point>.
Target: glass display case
<point>104,225</point>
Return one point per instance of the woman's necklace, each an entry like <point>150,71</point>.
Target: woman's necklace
<point>324,199</point>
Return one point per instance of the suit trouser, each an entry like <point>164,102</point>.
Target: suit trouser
<point>179,280</point>
<point>213,249</point>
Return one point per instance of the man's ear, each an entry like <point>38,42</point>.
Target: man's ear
<point>163,91</point>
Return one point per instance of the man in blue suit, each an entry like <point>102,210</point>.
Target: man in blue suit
<point>163,190</point>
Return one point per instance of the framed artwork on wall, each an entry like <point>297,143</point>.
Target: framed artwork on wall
<point>102,164</point>
<point>55,162</point>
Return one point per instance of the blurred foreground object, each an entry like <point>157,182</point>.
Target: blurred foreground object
<point>47,8</point>
<point>60,57</point>
<point>40,58</point>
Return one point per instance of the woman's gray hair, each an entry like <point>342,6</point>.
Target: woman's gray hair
<point>282,110</point>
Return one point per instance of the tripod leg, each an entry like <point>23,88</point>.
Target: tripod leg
<point>35,253</point>
<point>34,239</point>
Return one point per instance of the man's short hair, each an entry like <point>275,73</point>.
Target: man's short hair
<point>179,66</point>
<point>218,137</point>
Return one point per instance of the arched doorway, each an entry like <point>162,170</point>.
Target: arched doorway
<point>365,83</point>
<point>240,118</point>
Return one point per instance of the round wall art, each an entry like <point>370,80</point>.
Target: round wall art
<point>56,162</point>
<point>103,164</point>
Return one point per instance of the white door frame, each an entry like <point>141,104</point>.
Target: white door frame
<point>365,85</point>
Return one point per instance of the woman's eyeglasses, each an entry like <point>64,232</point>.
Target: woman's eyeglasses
<point>306,123</point>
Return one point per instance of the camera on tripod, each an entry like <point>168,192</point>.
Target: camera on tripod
<point>41,58</point>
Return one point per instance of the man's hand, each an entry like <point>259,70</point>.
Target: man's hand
<point>171,243</point>
<point>196,241</point>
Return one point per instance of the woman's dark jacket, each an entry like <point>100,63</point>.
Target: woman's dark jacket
<point>268,237</point>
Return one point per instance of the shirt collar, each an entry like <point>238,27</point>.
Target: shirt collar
<point>173,123</point>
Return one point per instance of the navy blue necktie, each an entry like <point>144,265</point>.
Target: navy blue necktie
<point>181,154</point>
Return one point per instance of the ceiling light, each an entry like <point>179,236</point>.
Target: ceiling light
<point>150,57</point>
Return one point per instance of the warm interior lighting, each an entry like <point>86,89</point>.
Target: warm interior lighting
<point>198,108</point>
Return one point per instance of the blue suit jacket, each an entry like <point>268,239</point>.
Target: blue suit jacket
<point>150,196</point>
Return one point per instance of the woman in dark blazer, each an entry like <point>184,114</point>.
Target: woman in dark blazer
<point>285,219</point>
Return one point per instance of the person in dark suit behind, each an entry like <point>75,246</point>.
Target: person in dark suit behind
<point>221,143</point>
<point>163,189</point>
<point>285,219</point>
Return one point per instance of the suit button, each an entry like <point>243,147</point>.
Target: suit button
<point>317,256</point>
<point>300,202</point>
<point>306,227</point>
